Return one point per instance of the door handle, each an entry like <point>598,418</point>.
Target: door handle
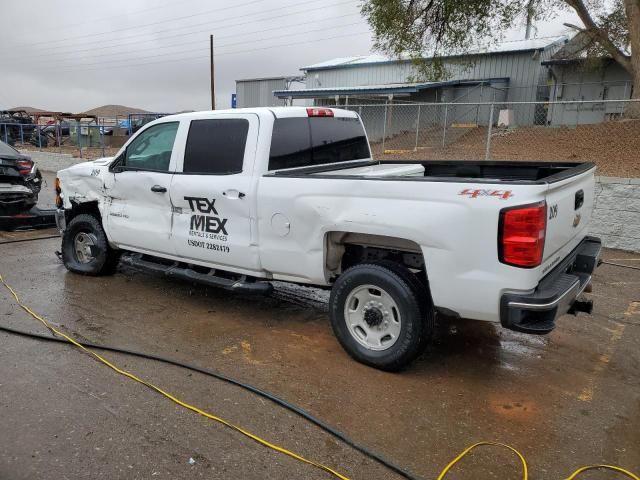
<point>159,189</point>
<point>233,194</point>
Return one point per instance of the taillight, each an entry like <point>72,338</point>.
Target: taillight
<point>521,235</point>
<point>24,166</point>
<point>319,112</point>
<point>58,188</point>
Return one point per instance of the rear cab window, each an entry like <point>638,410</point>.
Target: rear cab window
<point>310,141</point>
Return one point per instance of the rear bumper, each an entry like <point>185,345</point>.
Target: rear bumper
<point>557,293</point>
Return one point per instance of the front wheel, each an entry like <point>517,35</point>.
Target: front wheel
<point>380,316</point>
<point>85,248</point>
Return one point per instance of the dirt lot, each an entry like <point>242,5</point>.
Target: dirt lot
<point>567,399</point>
<point>89,153</point>
<point>613,146</point>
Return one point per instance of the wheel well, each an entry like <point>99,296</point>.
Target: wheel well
<point>90,208</point>
<point>345,249</point>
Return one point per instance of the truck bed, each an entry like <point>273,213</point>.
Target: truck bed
<point>452,171</point>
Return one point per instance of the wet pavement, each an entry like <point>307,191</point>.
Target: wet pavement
<point>564,400</point>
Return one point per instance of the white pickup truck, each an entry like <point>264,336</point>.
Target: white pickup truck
<point>236,198</point>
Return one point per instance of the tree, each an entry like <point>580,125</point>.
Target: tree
<point>431,28</point>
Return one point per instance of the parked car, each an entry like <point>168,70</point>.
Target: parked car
<point>20,181</point>
<point>15,125</point>
<point>236,198</point>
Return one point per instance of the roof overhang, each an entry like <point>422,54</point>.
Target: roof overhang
<point>386,89</point>
<point>262,79</point>
<point>501,48</point>
<point>576,60</point>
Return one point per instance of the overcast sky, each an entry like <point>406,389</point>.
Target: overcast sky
<point>75,55</point>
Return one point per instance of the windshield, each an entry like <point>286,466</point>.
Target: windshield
<point>7,150</point>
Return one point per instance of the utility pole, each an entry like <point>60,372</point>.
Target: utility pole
<point>213,82</point>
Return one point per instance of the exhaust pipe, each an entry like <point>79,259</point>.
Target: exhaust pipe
<point>585,306</point>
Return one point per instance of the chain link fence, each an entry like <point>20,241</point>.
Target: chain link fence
<point>606,132</point>
<point>84,139</point>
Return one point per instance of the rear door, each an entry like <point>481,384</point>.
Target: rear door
<point>569,208</point>
<point>214,193</point>
<point>140,209</point>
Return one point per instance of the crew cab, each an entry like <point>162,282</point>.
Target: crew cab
<point>238,198</point>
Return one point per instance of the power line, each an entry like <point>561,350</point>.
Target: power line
<point>209,24</point>
<point>216,10</point>
<point>102,19</point>
<point>190,50</point>
<point>28,58</point>
<point>203,57</point>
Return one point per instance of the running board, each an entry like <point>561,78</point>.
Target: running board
<point>241,285</point>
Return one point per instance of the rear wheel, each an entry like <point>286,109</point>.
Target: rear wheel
<point>85,248</point>
<point>381,314</point>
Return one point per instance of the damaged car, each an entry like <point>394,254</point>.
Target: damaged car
<point>20,181</point>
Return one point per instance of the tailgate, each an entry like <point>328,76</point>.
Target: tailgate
<point>569,208</point>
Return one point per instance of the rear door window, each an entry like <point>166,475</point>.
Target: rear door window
<point>301,142</point>
<point>216,146</point>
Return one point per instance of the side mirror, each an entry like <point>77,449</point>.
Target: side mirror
<point>117,165</point>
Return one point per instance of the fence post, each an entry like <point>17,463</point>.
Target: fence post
<point>444,130</point>
<point>487,153</point>
<point>78,130</point>
<point>101,133</point>
<point>22,134</point>
<point>415,149</point>
<point>384,127</point>
<point>39,138</point>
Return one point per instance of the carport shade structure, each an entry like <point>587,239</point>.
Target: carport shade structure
<point>383,90</point>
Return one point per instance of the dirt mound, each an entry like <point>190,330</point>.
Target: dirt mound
<point>30,109</point>
<point>114,110</point>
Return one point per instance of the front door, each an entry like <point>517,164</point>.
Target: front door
<point>213,193</point>
<point>140,210</point>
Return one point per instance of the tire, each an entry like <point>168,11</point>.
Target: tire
<point>381,314</point>
<point>96,257</point>
<point>420,286</point>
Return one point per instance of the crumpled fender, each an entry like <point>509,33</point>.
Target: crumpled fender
<point>85,182</point>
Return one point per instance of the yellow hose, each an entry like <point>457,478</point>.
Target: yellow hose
<point>273,446</point>
<point>171,397</point>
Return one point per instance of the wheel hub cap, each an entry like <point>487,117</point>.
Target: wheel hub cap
<point>372,317</point>
<point>84,246</point>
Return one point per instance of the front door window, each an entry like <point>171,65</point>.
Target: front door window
<point>151,150</point>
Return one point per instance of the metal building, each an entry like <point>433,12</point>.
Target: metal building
<point>573,76</point>
<point>258,92</point>
<point>507,71</point>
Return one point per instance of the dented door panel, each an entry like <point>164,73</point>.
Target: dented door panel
<point>139,218</point>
